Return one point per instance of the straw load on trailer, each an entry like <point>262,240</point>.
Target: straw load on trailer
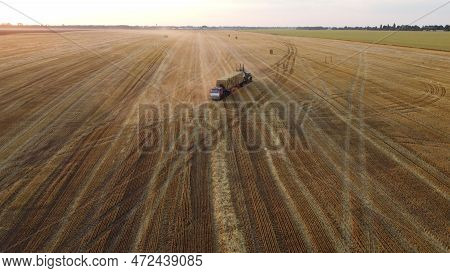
<point>225,85</point>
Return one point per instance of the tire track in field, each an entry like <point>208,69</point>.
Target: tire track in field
<point>252,213</point>
<point>21,160</point>
<point>149,193</point>
<point>240,172</point>
<point>288,236</point>
<point>47,113</point>
<point>388,205</point>
<point>60,118</point>
<point>195,171</point>
<point>317,229</point>
<point>293,242</point>
<point>269,130</point>
<point>387,94</point>
<point>397,206</point>
<point>92,117</point>
<point>286,65</point>
<point>387,146</point>
<point>196,222</point>
<point>367,222</point>
<point>230,238</point>
<point>102,183</point>
<point>436,243</point>
<point>263,236</point>
<point>153,67</point>
<point>139,172</point>
<point>323,218</point>
<point>434,92</point>
<point>327,185</point>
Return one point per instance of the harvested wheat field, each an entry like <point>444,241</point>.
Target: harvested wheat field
<point>366,169</point>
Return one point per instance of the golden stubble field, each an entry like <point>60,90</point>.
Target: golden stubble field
<point>369,171</point>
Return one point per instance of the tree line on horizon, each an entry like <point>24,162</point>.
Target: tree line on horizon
<point>388,27</point>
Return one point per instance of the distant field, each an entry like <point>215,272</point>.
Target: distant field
<point>361,166</point>
<point>427,40</point>
<point>13,30</point>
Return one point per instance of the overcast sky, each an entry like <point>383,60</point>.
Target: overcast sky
<point>226,12</point>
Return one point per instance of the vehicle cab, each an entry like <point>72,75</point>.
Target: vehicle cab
<point>248,78</point>
<point>217,93</point>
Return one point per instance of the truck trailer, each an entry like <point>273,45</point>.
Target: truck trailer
<point>225,85</point>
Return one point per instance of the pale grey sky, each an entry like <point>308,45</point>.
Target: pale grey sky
<point>226,12</point>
